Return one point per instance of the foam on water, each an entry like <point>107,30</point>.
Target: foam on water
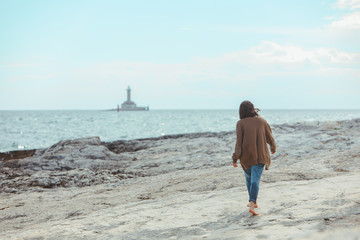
<point>39,129</point>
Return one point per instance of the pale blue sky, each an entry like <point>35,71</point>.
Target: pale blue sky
<point>179,54</point>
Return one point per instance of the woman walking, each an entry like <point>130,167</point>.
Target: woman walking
<point>252,135</point>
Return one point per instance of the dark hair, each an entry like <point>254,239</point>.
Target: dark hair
<point>247,110</point>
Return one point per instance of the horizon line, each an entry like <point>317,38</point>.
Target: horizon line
<point>180,109</point>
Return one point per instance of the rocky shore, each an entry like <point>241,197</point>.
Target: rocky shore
<point>184,187</point>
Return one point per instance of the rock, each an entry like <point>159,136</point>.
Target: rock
<point>184,187</point>
<point>10,190</point>
<point>65,156</point>
<point>16,154</point>
<point>95,162</point>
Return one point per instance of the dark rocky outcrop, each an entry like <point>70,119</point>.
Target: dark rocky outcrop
<point>88,161</point>
<point>16,154</point>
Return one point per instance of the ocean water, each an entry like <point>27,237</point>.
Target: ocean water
<point>39,129</point>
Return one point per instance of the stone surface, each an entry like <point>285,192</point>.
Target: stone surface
<point>184,187</point>
<point>16,154</point>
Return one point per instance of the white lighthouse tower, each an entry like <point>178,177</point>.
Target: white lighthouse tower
<point>129,105</point>
<point>128,94</point>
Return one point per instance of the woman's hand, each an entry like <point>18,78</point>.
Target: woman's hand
<point>234,164</point>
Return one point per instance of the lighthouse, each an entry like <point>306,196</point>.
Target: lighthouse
<point>128,94</point>
<point>129,105</point>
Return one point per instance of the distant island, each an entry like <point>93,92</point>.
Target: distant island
<point>129,105</point>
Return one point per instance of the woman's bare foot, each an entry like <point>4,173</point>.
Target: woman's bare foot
<point>252,208</point>
<point>255,206</point>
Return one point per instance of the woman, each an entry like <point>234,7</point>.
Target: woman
<point>252,135</point>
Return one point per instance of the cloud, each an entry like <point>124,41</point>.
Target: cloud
<point>268,59</point>
<point>34,78</point>
<point>271,52</point>
<point>22,65</point>
<point>329,18</point>
<point>348,4</point>
<point>350,21</point>
<point>185,29</point>
<point>267,70</point>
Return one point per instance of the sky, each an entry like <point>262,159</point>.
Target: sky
<point>188,54</point>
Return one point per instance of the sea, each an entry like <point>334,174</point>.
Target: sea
<point>21,130</point>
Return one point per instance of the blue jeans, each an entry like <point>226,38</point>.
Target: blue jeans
<point>252,176</point>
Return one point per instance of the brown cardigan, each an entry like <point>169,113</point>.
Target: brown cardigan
<point>252,134</point>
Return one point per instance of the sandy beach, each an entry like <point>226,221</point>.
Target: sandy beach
<point>184,187</point>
